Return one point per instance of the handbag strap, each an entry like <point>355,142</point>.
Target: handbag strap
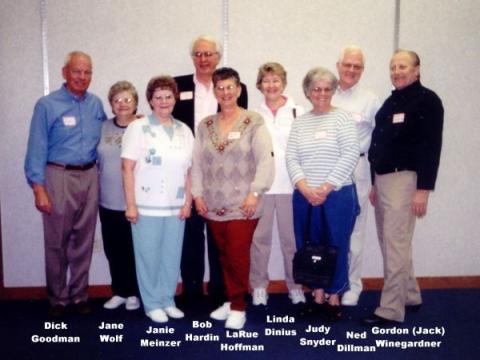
<point>325,232</point>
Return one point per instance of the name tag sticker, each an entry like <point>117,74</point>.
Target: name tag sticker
<point>398,118</point>
<point>320,135</point>
<point>234,135</point>
<point>69,121</point>
<point>357,117</point>
<point>186,95</point>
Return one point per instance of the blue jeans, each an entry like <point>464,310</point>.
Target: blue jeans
<point>341,209</point>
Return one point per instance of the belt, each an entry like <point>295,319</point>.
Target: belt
<point>362,154</point>
<point>83,167</point>
<point>393,170</point>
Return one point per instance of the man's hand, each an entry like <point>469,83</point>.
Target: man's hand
<point>420,202</point>
<point>42,200</point>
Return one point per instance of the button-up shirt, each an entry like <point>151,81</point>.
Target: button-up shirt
<point>65,129</point>
<point>363,105</point>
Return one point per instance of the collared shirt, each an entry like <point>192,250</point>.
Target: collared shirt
<point>363,105</point>
<point>279,126</point>
<point>205,101</point>
<point>323,148</point>
<point>65,129</point>
<point>162,163</point>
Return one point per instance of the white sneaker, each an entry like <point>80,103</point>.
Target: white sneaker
<point>259,296</point>
<point>133,303</point>
<point>221,313</point>
<point>297,296</point>
<point>350,298</point>
<point>158,315</point>
<point>114,302</point>
<point>174,312</point>
<point>236,320</point>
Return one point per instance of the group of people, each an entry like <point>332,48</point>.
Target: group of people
<point>201,163</point>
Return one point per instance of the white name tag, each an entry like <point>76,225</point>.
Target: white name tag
<point>398,118</point>
<point>234,135</point>
<point>357,117</point>
<point>186,95</point>
<point>320,135</point>
<point>69,121</point>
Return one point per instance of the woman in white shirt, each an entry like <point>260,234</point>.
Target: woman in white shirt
<point>157,155</point>
<point>279,112</point>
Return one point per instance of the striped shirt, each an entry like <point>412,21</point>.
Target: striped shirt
<point>323,148</point>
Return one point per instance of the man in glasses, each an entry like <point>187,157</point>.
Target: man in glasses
<point>363,105</point>
<point>60,166</point>
<point>197,101</point>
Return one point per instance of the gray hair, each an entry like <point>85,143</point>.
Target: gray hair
<point>210,39</point>
<point>319,73</point>
<point>350,48</point>
<point>413,55</point>
<point>72,54</point>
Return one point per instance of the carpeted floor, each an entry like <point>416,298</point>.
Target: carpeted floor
<point>448,319</point>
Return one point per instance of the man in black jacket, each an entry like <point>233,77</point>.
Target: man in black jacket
<point>404,156</point>
<point>197,101</point>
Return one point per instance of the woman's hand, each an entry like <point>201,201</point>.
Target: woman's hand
<point>201,206</point>
<point>131,214</point>
<point>249,206</point>
<point>315,196</point>
<point>185,211</point>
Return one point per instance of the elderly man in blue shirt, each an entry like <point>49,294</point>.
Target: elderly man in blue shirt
<point>60,168</point>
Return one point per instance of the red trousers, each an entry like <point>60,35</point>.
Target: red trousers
<point>233,239</point>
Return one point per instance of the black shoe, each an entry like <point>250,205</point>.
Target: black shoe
<point>82,308</point>
<point>57,311</point>
<point>311,309</point>
<point>375,320</point>
<point>413,308</point>
<point>333,312</point>
<point>190,299</point>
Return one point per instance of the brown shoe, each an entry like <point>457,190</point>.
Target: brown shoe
<point>82,308</point>
<point>57,311</point>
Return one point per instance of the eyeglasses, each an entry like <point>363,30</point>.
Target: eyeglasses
<point>355,67</point>
<point>226,88</point>
<point>123,100</point>
<point>321,90</point>
<point>207,54</point>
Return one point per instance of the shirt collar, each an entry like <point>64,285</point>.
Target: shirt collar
<point>408,89</point>
<point>72,95</point>
<point>198,83</point>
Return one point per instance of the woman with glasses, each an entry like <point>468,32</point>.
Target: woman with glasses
<point>232,168</point>
<point>157,153</point>
<point>116,232</point>
<point>322,153</point>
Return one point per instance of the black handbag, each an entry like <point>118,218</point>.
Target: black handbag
<point>314,265</point>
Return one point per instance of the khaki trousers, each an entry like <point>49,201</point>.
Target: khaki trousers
<point>69,232</point>
<point>395,226</point>
<point>281,206</point>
